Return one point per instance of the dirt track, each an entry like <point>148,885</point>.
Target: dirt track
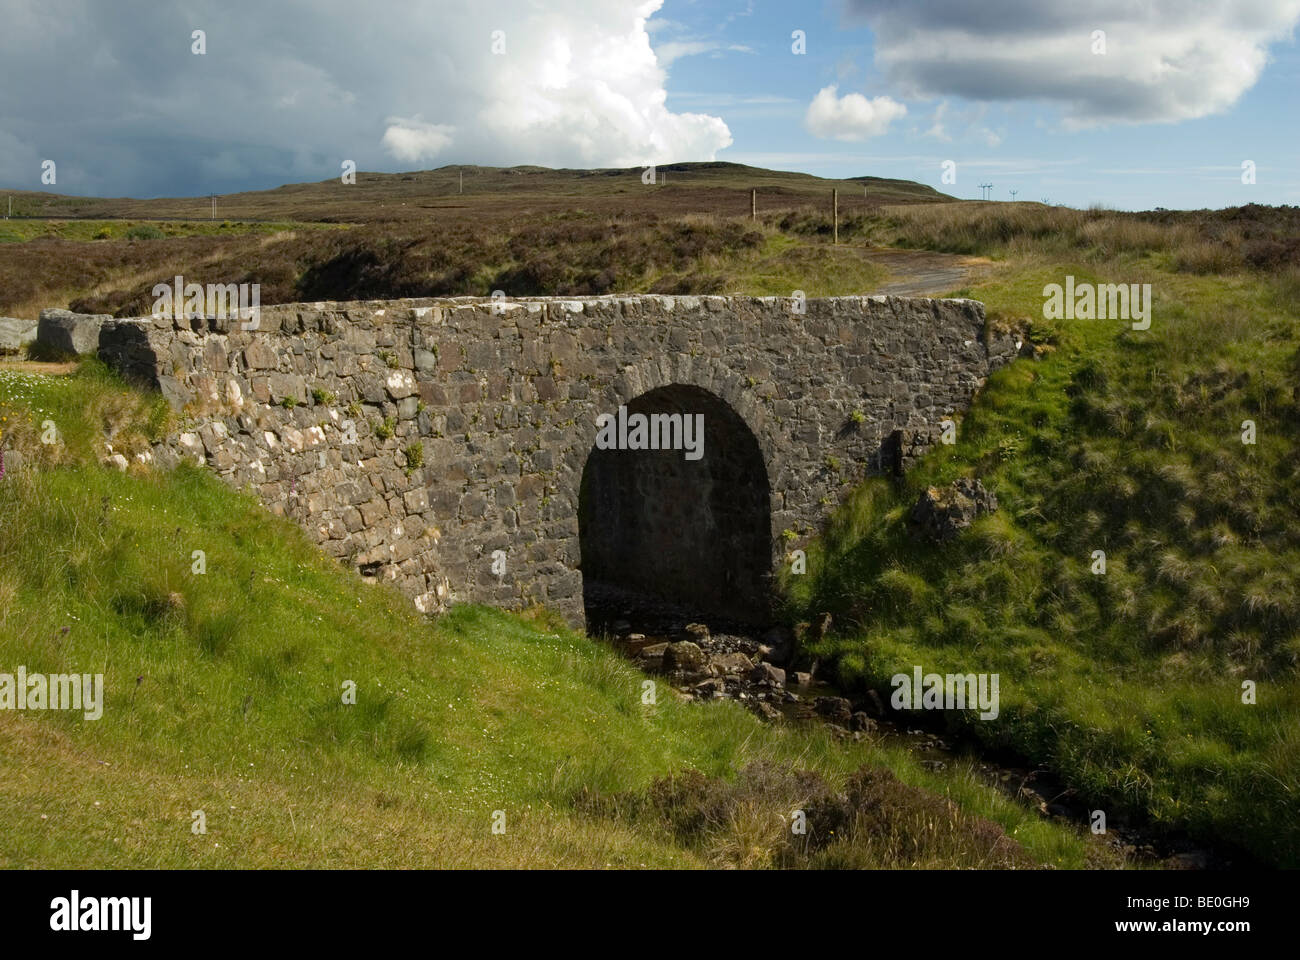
<point>920,273</point>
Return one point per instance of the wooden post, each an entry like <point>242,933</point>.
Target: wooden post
<point>835,215</point>
<point>753,204</point>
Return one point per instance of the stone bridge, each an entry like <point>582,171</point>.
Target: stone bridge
<point>448,445</point>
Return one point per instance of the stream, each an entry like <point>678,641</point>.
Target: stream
<point>735,662</point>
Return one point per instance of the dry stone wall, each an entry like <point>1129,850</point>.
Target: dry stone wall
<point>415,439</point>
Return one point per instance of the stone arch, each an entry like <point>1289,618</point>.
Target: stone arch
<point>655,525</point>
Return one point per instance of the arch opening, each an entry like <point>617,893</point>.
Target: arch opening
<point>661,533</point>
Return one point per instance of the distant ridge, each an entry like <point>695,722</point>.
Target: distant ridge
<point>332,200</point>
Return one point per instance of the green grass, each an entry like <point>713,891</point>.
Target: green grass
<point>1128,684</point>
<point>224,694</point>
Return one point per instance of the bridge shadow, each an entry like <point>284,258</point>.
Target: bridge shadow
<point>659,531</point>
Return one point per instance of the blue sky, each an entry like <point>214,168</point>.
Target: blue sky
<point>750,78</point>
<point>1014,92</point>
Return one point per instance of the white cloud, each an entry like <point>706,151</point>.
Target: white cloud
<point>937,129</point>
<point>1163,61</point>
<point>850,117</point>
<point>414,141</point>
<point>676,49</point>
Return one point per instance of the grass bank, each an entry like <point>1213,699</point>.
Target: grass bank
<point>1129,683</point>
<point>225,694</point>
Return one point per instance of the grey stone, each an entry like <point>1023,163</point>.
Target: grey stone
<point>942,513</point>
<point>70,332</point>
<point>732,663</point>
<point>685,656</point>
<point>834,709</point>
<point>764,674</point>
<point>653,651</point>
<point>709,689</point>
<point>14,333</point>
<point>862,722</point>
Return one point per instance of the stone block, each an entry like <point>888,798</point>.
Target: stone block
<point>70,332</point>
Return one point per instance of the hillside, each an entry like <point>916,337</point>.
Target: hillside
<point>225,694</point>
<point>414,234</point>
<point>701,188</point>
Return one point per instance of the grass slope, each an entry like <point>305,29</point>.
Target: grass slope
<point>1128,683</point>
<point>224,695</point>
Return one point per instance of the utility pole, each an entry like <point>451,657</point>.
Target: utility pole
<point>1013,195</point>
<point>462,181</point>
<point>985,189</point>
<point>753,204</point>
<point>835,216</point>
<point>214,206</point>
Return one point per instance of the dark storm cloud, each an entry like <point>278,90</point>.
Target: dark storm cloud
<point>287,91</point>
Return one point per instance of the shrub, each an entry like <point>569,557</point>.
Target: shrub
<point>145,231</point>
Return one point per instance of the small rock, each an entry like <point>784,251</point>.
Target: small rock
<point>764,674</point>
<point>653,651</point>
<point>118,461</point>
<point>685,656</point>
<point>696,632</point>
<point>802,678</point>
<point>834,709</point>
<point>860,721</point>
<point>708,689</point>
<point>944,512</point>
<point>764,710</point>
<point>732,663</point>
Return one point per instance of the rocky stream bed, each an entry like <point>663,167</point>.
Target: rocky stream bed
<point>716,660</point>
